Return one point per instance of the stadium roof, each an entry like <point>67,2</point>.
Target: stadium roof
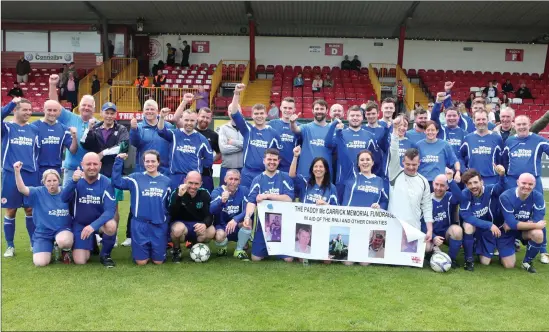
<point>502,21</point>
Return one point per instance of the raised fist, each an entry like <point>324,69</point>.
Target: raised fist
<point>188,98</point>
<point>17,166</point>
<point>297,151</point>
<point>77,175</point>
<point>91,123</point>
<point>449,173</point>
<point>449,85</point>
<point>133,122</point>
<point>165,112</point>
<point>500,170</point>
<point>54,79</point>
<point>16,99</point>
<point>73,131</point>
<point>239,88</point>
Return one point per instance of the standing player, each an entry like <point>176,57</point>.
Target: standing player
<point>202,127</point>
<point>288,140</point>
<point>450,132</point>
<point>257,138</point>
<point>445,225</point>
<point>479,210</point>
<point>228,206</point>
<point>481,149</point>
<point>381,136</point>
<point>272,185</point>
<point>387,112</point>
<point>417,133</point>
<point>91,196</point>
<point>190,150</point>
<point>53,137</point>
<point>523,211</point>
<point>53,221</point>
<point>190,214</point>
<point>231,145</point>
<point>150,192</point>
<point>19,143</point>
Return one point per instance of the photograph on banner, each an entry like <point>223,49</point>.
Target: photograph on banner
<point>340,233</point>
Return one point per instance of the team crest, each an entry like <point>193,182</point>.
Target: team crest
<point>199,205</point>
<point>4,200</point>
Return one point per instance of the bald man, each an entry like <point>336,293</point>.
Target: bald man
<point>92,197</point>
<point>53,137</point>
<point>523,210</point>
<point>446,228</point>
<point>190,214</point>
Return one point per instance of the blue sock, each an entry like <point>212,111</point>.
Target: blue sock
<point>222,243</point>
<point>543,248</point>
<point>453,248</point>
<point>468,242</point>
<point>9,230</point>
<point>30,227</point>
<point>243,237</point>
<point>531,251</point>
<point>107,244</point>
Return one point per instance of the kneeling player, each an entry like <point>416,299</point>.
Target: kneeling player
<point>523,210</point>
<point>228,206</point>
<point>479,210</point>
<point>190,214</point>
<point>92,197</point>
<point>51,216</point>
<point>445,227</point>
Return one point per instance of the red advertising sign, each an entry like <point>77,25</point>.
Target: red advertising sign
<point>333,49</point>
<point>201,46</point>
<point>514,54</point>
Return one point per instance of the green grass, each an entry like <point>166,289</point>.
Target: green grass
<point>226,294</point>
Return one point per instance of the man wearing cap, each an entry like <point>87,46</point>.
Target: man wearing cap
<point>107,138</point>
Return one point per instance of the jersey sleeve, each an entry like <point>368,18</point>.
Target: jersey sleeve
<point>206,152</point>
<point>69,191</point>
<point>330,138</point>
<point>287,187</point>
<point>166,134</point>
<point>384,199</point>
<point>254,191</point>
<point>34,196</point>
<point>119,181</point>
<point>539,207</point>
<point>66,117</point>
<point>240,123</point>
<point>135,137</point>
<point>507,211</point>
<point>451,157</point>
<point>67,138</point>
<point>109,208</point>
<point>455,198</point>
<point>216,205</point>
<point>333,195</point>
<point>468,216</point>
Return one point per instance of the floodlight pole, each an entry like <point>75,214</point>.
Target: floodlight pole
<point>401,38</point>
<point>252,49</point>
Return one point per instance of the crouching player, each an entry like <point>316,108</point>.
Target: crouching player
<point>479,209</point>
<point>91,196</point>
<point>190,214</point>
<point>445,226</point>
<point>229,207</point>
<point>150,192</point>
<point>51,216</point>
<point>523,210</point>
<point>272,185</point>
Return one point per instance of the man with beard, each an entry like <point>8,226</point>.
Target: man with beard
<point>288,139</point>
<point>417,133</point>
<point>313,136</point>
<point>479,210</point>
<point>257,138</point>
<point>348,143</point>
<point>203,127</point>
<point>481,149</point>
<point>506,127</point>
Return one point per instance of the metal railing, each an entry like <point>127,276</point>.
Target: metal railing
<point>131,99</point>
<point>231,72</point>
<point>127,75</point>
<point>104,72</point>
<point>375,81</point>
<point>216,82</point>
<point>410,96</point>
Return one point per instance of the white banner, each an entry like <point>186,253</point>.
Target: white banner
<point>326,232</point>
<point>49,57</point>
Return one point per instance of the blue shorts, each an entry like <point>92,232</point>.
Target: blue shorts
<point>42,169</point>
<point>487,243</point>
<point>247,177</point>
<point>149,241</point>
<point>177,179</point>
<point>191,234</point>
<point>11,197</point>
<point>43,240</point>
<point>230,237</point>
<point>118,193</point>
<point>259,247</point>
<point>86,244</point>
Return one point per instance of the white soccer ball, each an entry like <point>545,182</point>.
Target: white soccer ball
<point>200,253</point>
<point>441,262</point>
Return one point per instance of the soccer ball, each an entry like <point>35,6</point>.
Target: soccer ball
<point>200,253</point>
<point>441,262</point>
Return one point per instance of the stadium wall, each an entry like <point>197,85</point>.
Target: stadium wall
<point>418,54</point>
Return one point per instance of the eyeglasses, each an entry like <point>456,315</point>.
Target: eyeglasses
<point>430,106</point>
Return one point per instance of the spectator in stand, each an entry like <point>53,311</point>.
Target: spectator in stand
<point>111,49</point>
<point>298,81</point>
<point>158,66</point>
<point>274,112</point>
<point>158,83</point>
<point>491,113</point>
<point>491,91</point>
<point>15,91</point>
<point>70,90</point>
<point>523,92</point>
<point>186,50</point>
<point>356,64</point>
<point>505,101</point>
<point>507,86</point>
<point>63,69</point>
<point>328,82</point>
<point>469,101</point>
<point>399,91</point>
<point>346,64</point>
<point>96,85</point>
<point>23,68</point>
<point>202,98</point>
<point>170,60</point>
<point>317,84</point>
<point>142,83</point>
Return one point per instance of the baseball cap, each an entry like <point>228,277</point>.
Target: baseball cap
<point>108,106</point>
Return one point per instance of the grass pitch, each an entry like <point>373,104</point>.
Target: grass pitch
<point>226,294</point>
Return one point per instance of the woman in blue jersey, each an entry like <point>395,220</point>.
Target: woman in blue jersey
<point>366,189</point>
<point>318,189</point>
<point>435,155</point>
<point>51,216</point>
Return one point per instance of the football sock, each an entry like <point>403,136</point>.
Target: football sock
<point>107,244</point>
<point>9,230</point>
<point>543,248</point>
<point>468,242</point>
<point>222,243</point>
<point>531,251</point>
<point>30,227</point>
<point>453,248</point>
<point>243,237</point>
